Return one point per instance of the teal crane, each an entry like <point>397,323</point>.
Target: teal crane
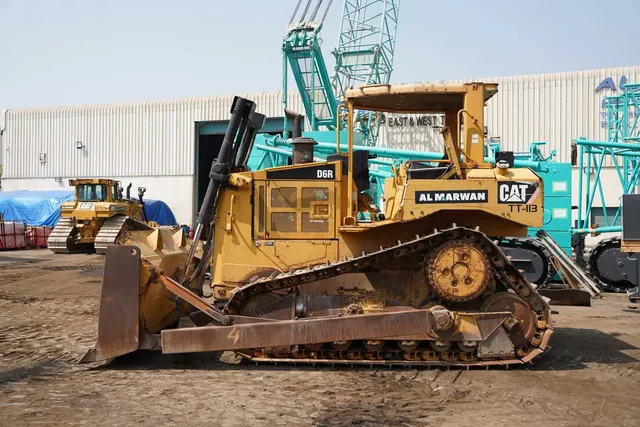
<point>364,55</point>
<point>613,267</point>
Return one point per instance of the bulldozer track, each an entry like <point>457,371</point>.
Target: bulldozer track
<point>508,275</point>
<point>58,241</point>
<point>385,363</point>
<point>607,284</point>
<point>112,229</point>
<point>533,245</point>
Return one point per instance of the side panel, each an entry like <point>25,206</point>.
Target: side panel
<point>249,243</point>
<point>295,210</point>
<point>515,196</point>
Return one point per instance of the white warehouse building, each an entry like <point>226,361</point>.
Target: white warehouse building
<point>156,144</point>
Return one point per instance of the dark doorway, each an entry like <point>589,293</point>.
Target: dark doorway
<point>208,149</point>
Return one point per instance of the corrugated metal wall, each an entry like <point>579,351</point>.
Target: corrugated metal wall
<point>554,107</point>
<point>157,138</point>
<point>135,139</point>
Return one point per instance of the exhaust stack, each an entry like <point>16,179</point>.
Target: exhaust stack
<point>297,122</point>
<point>303,150</point>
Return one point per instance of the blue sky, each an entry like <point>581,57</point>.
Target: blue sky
<point>68,52</point>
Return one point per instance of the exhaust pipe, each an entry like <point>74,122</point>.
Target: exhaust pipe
<point>297,122</point>
<point>302,146</point>
<point>129,190</point>
<point>141,191</point>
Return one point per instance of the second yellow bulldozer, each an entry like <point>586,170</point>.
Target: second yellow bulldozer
<point>296,277</point>
<point>96,217</point>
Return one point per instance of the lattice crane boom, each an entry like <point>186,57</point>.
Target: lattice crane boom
<point>364,56</point>
<point>366,45</point>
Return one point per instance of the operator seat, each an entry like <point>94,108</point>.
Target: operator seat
<point>419,170</point>
<point>360,167</point>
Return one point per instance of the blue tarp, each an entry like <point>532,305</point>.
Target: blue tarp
<point>43,207</point>
<point>35,207</point>
<point>159,211</point>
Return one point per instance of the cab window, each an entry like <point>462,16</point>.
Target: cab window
<point>92,193</point>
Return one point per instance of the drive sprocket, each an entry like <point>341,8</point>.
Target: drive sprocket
<point>458,270</point>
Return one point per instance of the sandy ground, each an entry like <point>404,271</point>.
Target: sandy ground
<point>48,319</point>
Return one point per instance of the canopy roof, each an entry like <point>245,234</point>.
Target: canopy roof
<point>415,97</point>
<point>103,181</point>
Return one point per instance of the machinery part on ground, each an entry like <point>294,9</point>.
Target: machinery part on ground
<point>530,256</point>
<point>113,228</point>
<point>573,297</point>
<point>604,265</point>
<point>573,275</point>
<point>63,237</point>
<point>122,332</point>
<point>630,243</point>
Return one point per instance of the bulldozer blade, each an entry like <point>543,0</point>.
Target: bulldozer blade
<point>567,296</point>
<point>118,322</point>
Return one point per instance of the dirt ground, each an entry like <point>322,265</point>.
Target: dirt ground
<point>48,319</point>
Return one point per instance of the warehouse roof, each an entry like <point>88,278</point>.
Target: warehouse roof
<point>263,99</point>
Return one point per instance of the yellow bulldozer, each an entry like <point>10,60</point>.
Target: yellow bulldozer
<point>97,216</point>
<point>284,271</point>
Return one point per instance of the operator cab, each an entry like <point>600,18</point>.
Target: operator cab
<point>96,190</point>
<point>463,134</point>
<point>463,110</point>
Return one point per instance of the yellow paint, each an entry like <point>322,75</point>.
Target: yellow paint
<point>257,245</point>
<point>264,225</point>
